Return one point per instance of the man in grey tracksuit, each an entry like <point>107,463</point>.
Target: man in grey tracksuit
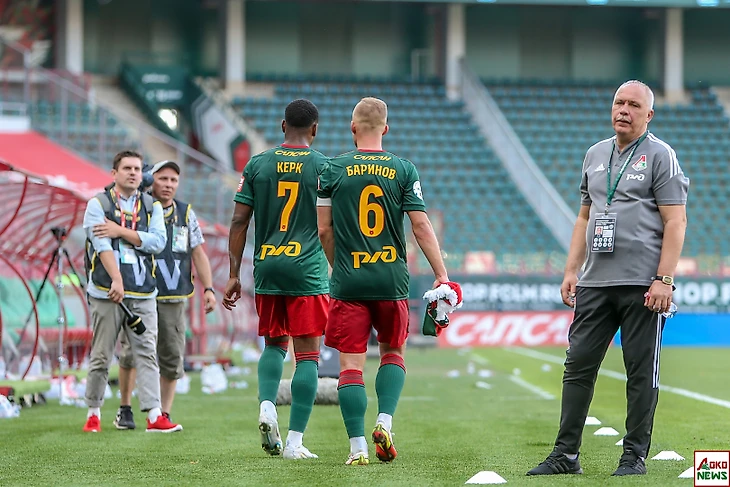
<point>629,234</point>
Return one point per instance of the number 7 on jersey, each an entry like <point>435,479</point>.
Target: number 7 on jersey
<point>293,188</point>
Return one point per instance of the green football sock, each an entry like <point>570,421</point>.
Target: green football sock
<point>271,366</point>
<point>353,402</point>
<point>303,390</point>
<point>389,383</point>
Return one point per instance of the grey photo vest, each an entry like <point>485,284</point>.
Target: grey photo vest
<point>174,265</point>
<point>138,277</point>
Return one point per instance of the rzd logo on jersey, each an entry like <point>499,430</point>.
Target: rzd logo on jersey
<point>386,255</point>
<point>292,249</point>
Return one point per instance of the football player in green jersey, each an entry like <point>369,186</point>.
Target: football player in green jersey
<point>290,270</point>
<point>362,198</point>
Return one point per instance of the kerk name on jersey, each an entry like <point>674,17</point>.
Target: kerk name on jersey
<point>374,169</point>
<point>289,166</point>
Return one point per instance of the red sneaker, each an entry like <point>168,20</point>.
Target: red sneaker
<point>163,425</point>
<point>93,425</point>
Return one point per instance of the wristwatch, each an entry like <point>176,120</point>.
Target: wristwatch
<point>209,289</point>
<point>668,280</point>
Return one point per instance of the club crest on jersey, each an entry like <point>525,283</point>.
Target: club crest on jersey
<point>240,185</point>
<point>640,165</point>
<point>417,190</point>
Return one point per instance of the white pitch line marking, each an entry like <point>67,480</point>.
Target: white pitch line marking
<point>479,359</point>
<point>622,377</point>
<point>530,387</point>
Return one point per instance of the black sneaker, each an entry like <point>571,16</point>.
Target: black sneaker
<point>557,463</point>
<point>124,419</point>
<point>630,464</point>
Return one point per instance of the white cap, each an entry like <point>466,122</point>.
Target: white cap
<point>163,164</point>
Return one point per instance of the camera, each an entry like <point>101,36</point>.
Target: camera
<point>133,321</point>
<point>147,178</point>
<point>59,232</point>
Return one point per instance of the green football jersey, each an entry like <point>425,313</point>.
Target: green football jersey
<point>370,191</point>
<point>281,186</point>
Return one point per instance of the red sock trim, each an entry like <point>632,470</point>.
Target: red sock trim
<point>301,356</point>
<point>394,359</point>
<point>351,377</point>
<point>281,342</point>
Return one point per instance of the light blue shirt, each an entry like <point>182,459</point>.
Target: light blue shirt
<point>153,241</point>
<point>196,234</point>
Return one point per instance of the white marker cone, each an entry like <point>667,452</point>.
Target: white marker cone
<point>687,474</point>
<point>667,455</point>
<point>606,431</point>
<point>486,477</point>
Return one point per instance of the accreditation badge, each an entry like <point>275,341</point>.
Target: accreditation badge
<point>179,239</point>
<point>127,253</point>
<point>604,232</point>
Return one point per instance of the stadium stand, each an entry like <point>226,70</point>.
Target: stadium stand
<point>81,129</point>
<point>558,121</point>
<point>438,136</point>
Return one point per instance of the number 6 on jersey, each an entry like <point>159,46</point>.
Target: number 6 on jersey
<point>293,188</point>
<point>366,207</point>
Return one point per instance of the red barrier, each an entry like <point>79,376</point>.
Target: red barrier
<point>33,205</point>
<point>35,311</point>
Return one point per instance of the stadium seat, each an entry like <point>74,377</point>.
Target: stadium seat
<point>699,132</point>
<point>423,123</point>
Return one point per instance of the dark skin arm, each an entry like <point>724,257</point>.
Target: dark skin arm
<point>326,232</point>
<point>236,243</point>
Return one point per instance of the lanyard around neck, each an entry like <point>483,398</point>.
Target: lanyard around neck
<point>123,214</point>
<point>171,218</point>
<point>611,188</point>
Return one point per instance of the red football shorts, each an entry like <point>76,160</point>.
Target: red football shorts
<point>295,316</point>
<point>350,324</point>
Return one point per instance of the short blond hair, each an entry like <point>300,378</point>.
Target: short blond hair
<point>370,114</point>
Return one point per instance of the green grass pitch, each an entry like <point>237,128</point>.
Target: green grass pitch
<point>446,430</point>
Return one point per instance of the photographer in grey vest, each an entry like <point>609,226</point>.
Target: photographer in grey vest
<point>629,235</point>
<point>175,285</point>
<point>124,229</point>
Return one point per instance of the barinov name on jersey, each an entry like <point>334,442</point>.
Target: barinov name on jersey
<point>374,169</point>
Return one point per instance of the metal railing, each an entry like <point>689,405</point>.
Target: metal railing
<point>529,179</point>
<point>74,117</point>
